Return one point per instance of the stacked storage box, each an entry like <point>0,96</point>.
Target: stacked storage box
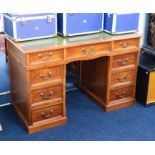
<point>115,23</point>
<point>71,24</point>
<point>22,27</point>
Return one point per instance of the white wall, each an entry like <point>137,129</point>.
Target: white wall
<point>143,27</point>
<point>1,23</point>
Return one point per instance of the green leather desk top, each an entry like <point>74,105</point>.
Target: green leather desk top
<point>62,42</point>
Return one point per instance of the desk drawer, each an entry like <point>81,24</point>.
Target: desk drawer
<point>121,93</point>
<point>125,60</point>
<point>46,75</point>
<point>121,78</point>
<point>48,56</point>
<point>88,50</point>
<point>126,44</point>
<point>46,113</point>
<point>47,94</point>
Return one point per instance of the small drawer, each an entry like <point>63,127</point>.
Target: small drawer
<point>120,78</point>
<point>121,93</point>
<point>46,113</point>
<point>48,56</point>
<point>46,94</point>
<point>124,60</point>
<point>88,50</point>
<point>48,74</point>
<point>126,44</point>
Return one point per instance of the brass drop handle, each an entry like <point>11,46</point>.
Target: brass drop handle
<point>125,62</point>
<point>45,58</point>
<point>129,43</point>
<point>47,114</point>
<point>120,95</point>
<point>88,52</point>
<point>125,45</point>
<point>45,78</point>
<point>44,96</point>
<point>122,79</point>
<point>42,114</point>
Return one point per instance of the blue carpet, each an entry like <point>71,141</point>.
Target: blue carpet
<point>86,121</point>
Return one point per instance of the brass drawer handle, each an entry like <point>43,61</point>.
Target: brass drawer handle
<point>122,79</point>
<point>88,52</point>
<point>45,58</point>
<point>125,62</point>
<point>44,96</point>
<point>45,78</point>
<point>120,95</point>
<point>45,115</point>
<point>125,45</point>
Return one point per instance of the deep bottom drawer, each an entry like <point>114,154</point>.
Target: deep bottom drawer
<point>46,113</point>
<point>122,93</point>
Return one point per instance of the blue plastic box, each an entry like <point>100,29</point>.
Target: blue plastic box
<point>116,23</point>
<point>21,27</point>
<point>71,24</point>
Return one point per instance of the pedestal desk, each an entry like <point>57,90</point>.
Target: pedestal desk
<point>108,69</point>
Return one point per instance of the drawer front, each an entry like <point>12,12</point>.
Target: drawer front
<point>123,77</point>
<point>46,94</point>
<point>48,56</point>
<point>121,93</point>
<point>46,113</point>
<point>126,44</point>
<point>124,60</point>
<point>88,50</point>
<point>48,74</point>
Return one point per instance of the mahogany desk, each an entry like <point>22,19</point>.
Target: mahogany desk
<point>38,74</point>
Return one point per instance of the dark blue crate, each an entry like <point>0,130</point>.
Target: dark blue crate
<point>71,24</point>
<point>116,23</point>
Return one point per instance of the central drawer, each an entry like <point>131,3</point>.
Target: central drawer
<point>47,94</point>
<point>88,50</point>
<point>46,75</point>
<point>47,113</point>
